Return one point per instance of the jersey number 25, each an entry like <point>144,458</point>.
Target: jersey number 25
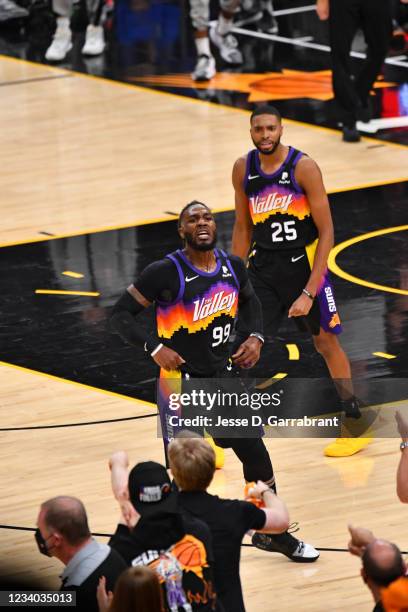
<point>283,231</point>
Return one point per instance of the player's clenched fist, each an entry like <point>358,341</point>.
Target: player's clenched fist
<point>168,359</point>
<point>248,353</point>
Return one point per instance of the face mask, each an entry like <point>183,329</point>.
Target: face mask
<point>41,543</point>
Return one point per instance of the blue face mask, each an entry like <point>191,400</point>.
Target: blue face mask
<point>41,543</point>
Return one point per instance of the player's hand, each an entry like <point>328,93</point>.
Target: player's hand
<point>360,538</point>
<point>118,465</point>
<point>104,598</point>
<point>168,359</point>
<point>402,423</point>
<point>129,513</point>
<point>258,489</point>
<point>301,306</point>
<point>322,9</point>
<point>248,353</point>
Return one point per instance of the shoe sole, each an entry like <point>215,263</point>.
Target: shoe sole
<point>340,456</point>
<point>202,79</point>
<point>294,559</point>
<point>90,54</point>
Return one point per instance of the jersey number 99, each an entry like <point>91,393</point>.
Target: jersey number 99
<point>221,334</point>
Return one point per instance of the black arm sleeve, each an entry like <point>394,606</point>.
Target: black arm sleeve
<point>123,320</point>
<point>158,281</point>
<point>250,309</point>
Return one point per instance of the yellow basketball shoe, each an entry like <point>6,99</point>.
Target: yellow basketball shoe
<point>345,447</point>
<point>219,453</point>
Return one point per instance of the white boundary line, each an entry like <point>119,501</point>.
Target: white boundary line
<point>305,38</point>
<point>381,124</point>
<point>310,45</point>
<point>291,11</point>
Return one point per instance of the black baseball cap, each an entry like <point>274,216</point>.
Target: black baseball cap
<point>150,489</point>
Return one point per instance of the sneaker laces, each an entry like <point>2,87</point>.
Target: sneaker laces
<point>293,528</point>
<point>300,549</point>
<point>264,538</point>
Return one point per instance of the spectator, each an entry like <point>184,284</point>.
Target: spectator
<point>159,535</point>
<point>402,473</point>
<point>220,36</point>
<point>382,565</point>
<point>256,11</point>
<point>395,597</point>
<point>192,462</point>
<point>62,40</point>
<point>252,11</point>
<point>137,590</point>
<point>360,539</point>
<point>63,532</point>
<point>345,17</point>
<point>382,561</point>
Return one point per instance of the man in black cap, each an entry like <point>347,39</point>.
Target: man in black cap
<point>156,533</point>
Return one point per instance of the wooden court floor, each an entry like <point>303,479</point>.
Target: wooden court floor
<point>79,154</point>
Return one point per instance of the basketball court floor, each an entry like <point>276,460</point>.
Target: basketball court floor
<point>94,173</point>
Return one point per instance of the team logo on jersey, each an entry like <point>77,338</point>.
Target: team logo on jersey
<point>273,201</point>
<point>196,315</point>
<point>210,306</point>
<point>284,179</point>
<point>335,320</point>
<point>330,299</point>
<point>225,272</point>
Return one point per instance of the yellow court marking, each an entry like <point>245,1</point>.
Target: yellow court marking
<point>270,381</point>
<point>293,351</point>
<point>334,267</point>
<point>215,107</point>
<point>90,231</point>
<point>152,221</point>
<point>73,274</point>
<point>60,292</point>
<point>78,384</point>
<point>384,355</point>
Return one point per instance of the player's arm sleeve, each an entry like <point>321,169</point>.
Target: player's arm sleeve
<point>152,284</point>
<point>250,309</point>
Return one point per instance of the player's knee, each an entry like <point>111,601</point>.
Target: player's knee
<point>325,344</point>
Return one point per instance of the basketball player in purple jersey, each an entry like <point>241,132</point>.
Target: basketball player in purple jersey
<point>283,225</point>
<point>197,293</point>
